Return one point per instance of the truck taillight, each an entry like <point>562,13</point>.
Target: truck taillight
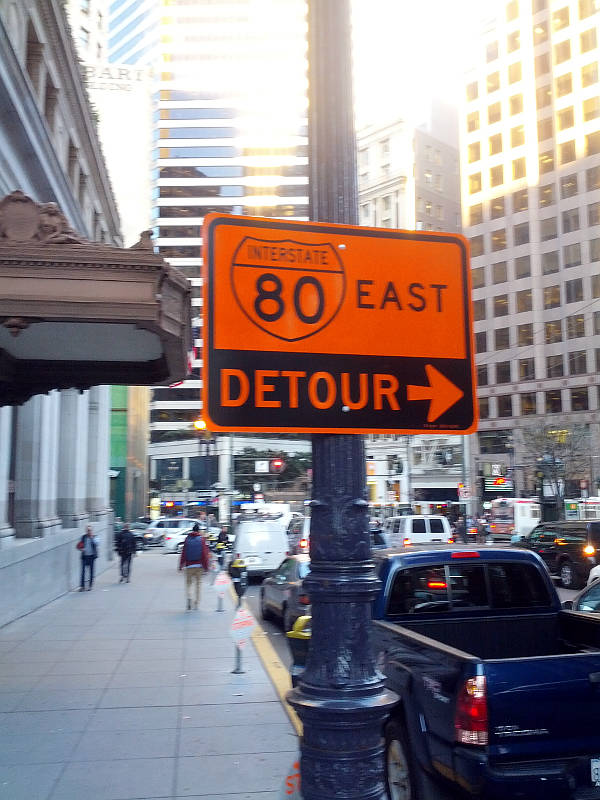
<point>304,599</point>
<point>471,716</point>
<point>589,550</point>
<point>406,542</point>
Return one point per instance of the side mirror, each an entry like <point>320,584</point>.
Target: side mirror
<point>567,605</point>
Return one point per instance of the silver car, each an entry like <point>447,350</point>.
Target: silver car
<point>282,594</point>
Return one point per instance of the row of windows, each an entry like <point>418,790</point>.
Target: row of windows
<point>523,335</point>
<point>523,300</point>
<point>569,186</point>
<point>566,153</point>
<point>524,368</point>
<point>570,221</point>
<point>552,403</point>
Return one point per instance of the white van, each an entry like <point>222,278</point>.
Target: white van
<point>262,543</point>
<point>416,529</point>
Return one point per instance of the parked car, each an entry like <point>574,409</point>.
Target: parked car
<point>262,542</point>
<point>155,532</point>
<point>174,538</point>
<point>419,529</point>
<point>570,549</point>
<point>587,600</point>
<point>298,532</point>
<point>594,574</point>
<point>282,594</point>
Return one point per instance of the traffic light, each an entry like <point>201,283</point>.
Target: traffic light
<point>276,465</point>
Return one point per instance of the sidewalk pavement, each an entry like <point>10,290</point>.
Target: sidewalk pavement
<point>119,693</point>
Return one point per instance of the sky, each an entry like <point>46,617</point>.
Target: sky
<point>406,51</point>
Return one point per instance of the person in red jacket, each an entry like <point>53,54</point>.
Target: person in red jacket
<point>195,557</point>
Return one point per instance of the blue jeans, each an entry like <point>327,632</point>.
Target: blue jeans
<point>87,564</point>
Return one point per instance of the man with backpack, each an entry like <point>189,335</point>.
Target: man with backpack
<point>195,558</point>
<point>126,547</point>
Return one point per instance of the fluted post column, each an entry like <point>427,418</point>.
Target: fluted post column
<point>72,461</point>
<point>98,453</point>
<point>6,454</point>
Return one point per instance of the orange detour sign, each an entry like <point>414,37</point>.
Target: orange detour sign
<point>315,327</point>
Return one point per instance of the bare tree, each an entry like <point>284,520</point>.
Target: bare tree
<point>558,455</point>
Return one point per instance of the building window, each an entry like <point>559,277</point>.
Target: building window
<point>597,360</point>
<point>478,310</point>
<point>562,52</point>
<point>592,178</point>
<point>517,136</point>
<point>501,305</point>
<point>593,214</point>
<point>473,121</point>
<point>591,108</point>
<point>577,362</point>
<point>542,64</point>
<point>553,402</point>
<point>476,214</point>
<point>567,152</point>
<point>497,207</point>
<point>574,290</point>
<point>495,144</point>
<point>477,278</point>
<point>498,240</point>
<point>594,249</point>
<point>550,263</point>
<point>521,234</point>
<point>554,366</point>
<point>566,118</point>
<point>502,339</point>
<point>525,334</point>
<point>476,246</point>
<point>518,169</point>
<point>526,369</point>
<point>484,408</point>
<point>522,267</point>
<point>474,152</point>
<point>472,91</point>
<point>528,404</point>
<point>516,104</point>
<point>493,82</point>
<point>499,272</point>
<point>568,186</point>
<point>543,96</point>
<point>545,129</point>
<point>524,301</point>
<point>546,161</point>
<point>520,201</point>
<point>596,323</point>
<point>482,375</point>
<point>572,255</point>
<point>497,175</point>
<point>592,144</point>
<point>570,220</point>
<point>505,405</point>
<point>579,399</point>
<point>575,326</point>
<point>546,195</point>
<point>587,8</point>
<point>503,372</point>
<point>475,183</point>
<point>481,342</point>
<point>553,331</point>
<point>564,85</point>
<point>491,52</point>
<point>551,297</point>
<point>494,113</point>
<point>548,229</point>
<point>514,72</point>
<point>512,10</point>
<point>589,74</point>
<point>589,40</point>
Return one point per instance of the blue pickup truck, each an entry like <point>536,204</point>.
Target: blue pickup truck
<point>499,686</point>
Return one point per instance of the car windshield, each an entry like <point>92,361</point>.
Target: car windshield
<point>303,569</point>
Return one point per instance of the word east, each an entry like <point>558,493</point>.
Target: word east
<point>415,297</point>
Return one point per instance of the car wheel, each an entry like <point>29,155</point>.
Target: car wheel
<point>399,780</point>
<point>568,577</point>
<point>180,547</point>
<point>264,611</point>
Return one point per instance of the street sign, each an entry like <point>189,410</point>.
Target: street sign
<point>335,329</point>
<point>242,626</point>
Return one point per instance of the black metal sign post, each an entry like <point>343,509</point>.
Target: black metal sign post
<point>341,699</point>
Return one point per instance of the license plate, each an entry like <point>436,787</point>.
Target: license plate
<point>595,770</point>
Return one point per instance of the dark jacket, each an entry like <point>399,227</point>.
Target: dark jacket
<point>126,544</point>
<point>94,546</point>
<point>203,561</point>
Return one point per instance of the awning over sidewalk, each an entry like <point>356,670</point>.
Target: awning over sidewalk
<point>75,313</point>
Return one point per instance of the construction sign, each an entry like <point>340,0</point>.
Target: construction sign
<point>315,327</point>
<point>242,626</point>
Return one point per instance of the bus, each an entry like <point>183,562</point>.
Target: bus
<point>513,515</point>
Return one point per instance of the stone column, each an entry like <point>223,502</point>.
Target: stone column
<point>6,445</point>
<point>98,453</point>
<point>72,457</point>
<point>37,466</point>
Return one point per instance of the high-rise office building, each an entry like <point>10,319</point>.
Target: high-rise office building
<point>230,135</point>
<point>530,155</point>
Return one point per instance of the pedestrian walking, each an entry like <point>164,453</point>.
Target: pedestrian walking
<point>222,545</point>
<point>461,531</point>
<point>195,558</point>
<point>89,552</point>
<point>126,547</point>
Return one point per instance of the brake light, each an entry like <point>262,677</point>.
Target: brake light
<point>450,540</point>
<point>304,599</point>
<point>471,716</point>
<point>303,543</point>
<point>465,554</point>
<point>167,537</point>
<point>559,541</point>
<point>406,542</point>
<point>589,550</point>
<point>437,585</point>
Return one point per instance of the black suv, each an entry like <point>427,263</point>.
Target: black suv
<point>569,549</point>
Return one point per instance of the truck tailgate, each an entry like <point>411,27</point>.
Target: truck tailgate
<point>544,706</point>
